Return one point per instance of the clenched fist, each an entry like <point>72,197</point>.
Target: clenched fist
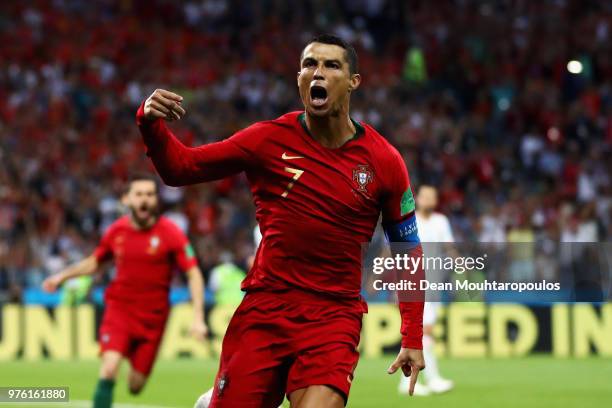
<point>165,105</point>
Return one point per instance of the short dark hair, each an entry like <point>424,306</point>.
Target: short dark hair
<point>349,51</point>
<point>142,176</point>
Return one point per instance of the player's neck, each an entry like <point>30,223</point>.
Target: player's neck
<point>144,225</point>
<point>331,131</point>
<point>424,214</point>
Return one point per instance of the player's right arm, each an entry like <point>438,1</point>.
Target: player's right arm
<point>176,163</point>
<point>87,266</point>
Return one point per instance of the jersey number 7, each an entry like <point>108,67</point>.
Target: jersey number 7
<point>297,173</point>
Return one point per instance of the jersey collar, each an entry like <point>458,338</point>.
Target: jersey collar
<point>359,130</point>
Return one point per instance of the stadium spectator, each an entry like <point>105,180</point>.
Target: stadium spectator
<point>482,93</point>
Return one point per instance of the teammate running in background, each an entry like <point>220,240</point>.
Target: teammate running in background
<point>436,234</point>
<point>146,248</point>
<point>319,180</point>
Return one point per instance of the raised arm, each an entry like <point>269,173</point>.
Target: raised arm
<point>177,164</point>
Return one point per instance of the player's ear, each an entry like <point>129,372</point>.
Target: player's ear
<point>354,82</point>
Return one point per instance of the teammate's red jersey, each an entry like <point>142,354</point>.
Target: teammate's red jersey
<point>145,260</point>
<point>315,206</point>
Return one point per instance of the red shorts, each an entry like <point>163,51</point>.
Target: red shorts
<point>277,343</point>
<point>135,335</point>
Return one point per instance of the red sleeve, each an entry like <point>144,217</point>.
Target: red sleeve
<point>180,165</point>
<point>398,206</point>
<point>398,201</point>
<point>184,255</point>
<point>104,251</point>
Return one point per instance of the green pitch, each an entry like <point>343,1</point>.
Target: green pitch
<point>524,383</point>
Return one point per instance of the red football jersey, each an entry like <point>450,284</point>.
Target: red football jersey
<point>145,260</point>
<point>315,206</point>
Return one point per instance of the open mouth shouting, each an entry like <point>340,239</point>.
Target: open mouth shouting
<point>318,96</point>
<point>143,211</point>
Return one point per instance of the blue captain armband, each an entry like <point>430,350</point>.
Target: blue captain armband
<point>403,231</point>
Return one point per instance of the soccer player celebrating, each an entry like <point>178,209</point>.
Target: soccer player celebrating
<point>319,181</point>
<point>436,233</point>
<point>146,248</point>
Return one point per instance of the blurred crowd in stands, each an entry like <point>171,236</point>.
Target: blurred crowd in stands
<point>478,96</point>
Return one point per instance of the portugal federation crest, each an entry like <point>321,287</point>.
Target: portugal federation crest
<point>153,244</point>
<point>221,383</point>
<point>363,176</point>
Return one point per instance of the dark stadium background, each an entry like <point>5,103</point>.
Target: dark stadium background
<point>477,96</point>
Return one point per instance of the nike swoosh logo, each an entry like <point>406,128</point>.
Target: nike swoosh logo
<point>286,157</point>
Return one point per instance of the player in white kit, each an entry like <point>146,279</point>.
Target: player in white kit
<point>436,236</point>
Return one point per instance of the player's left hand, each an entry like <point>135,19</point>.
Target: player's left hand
<point>411,361</point>
<point>199,330</point>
